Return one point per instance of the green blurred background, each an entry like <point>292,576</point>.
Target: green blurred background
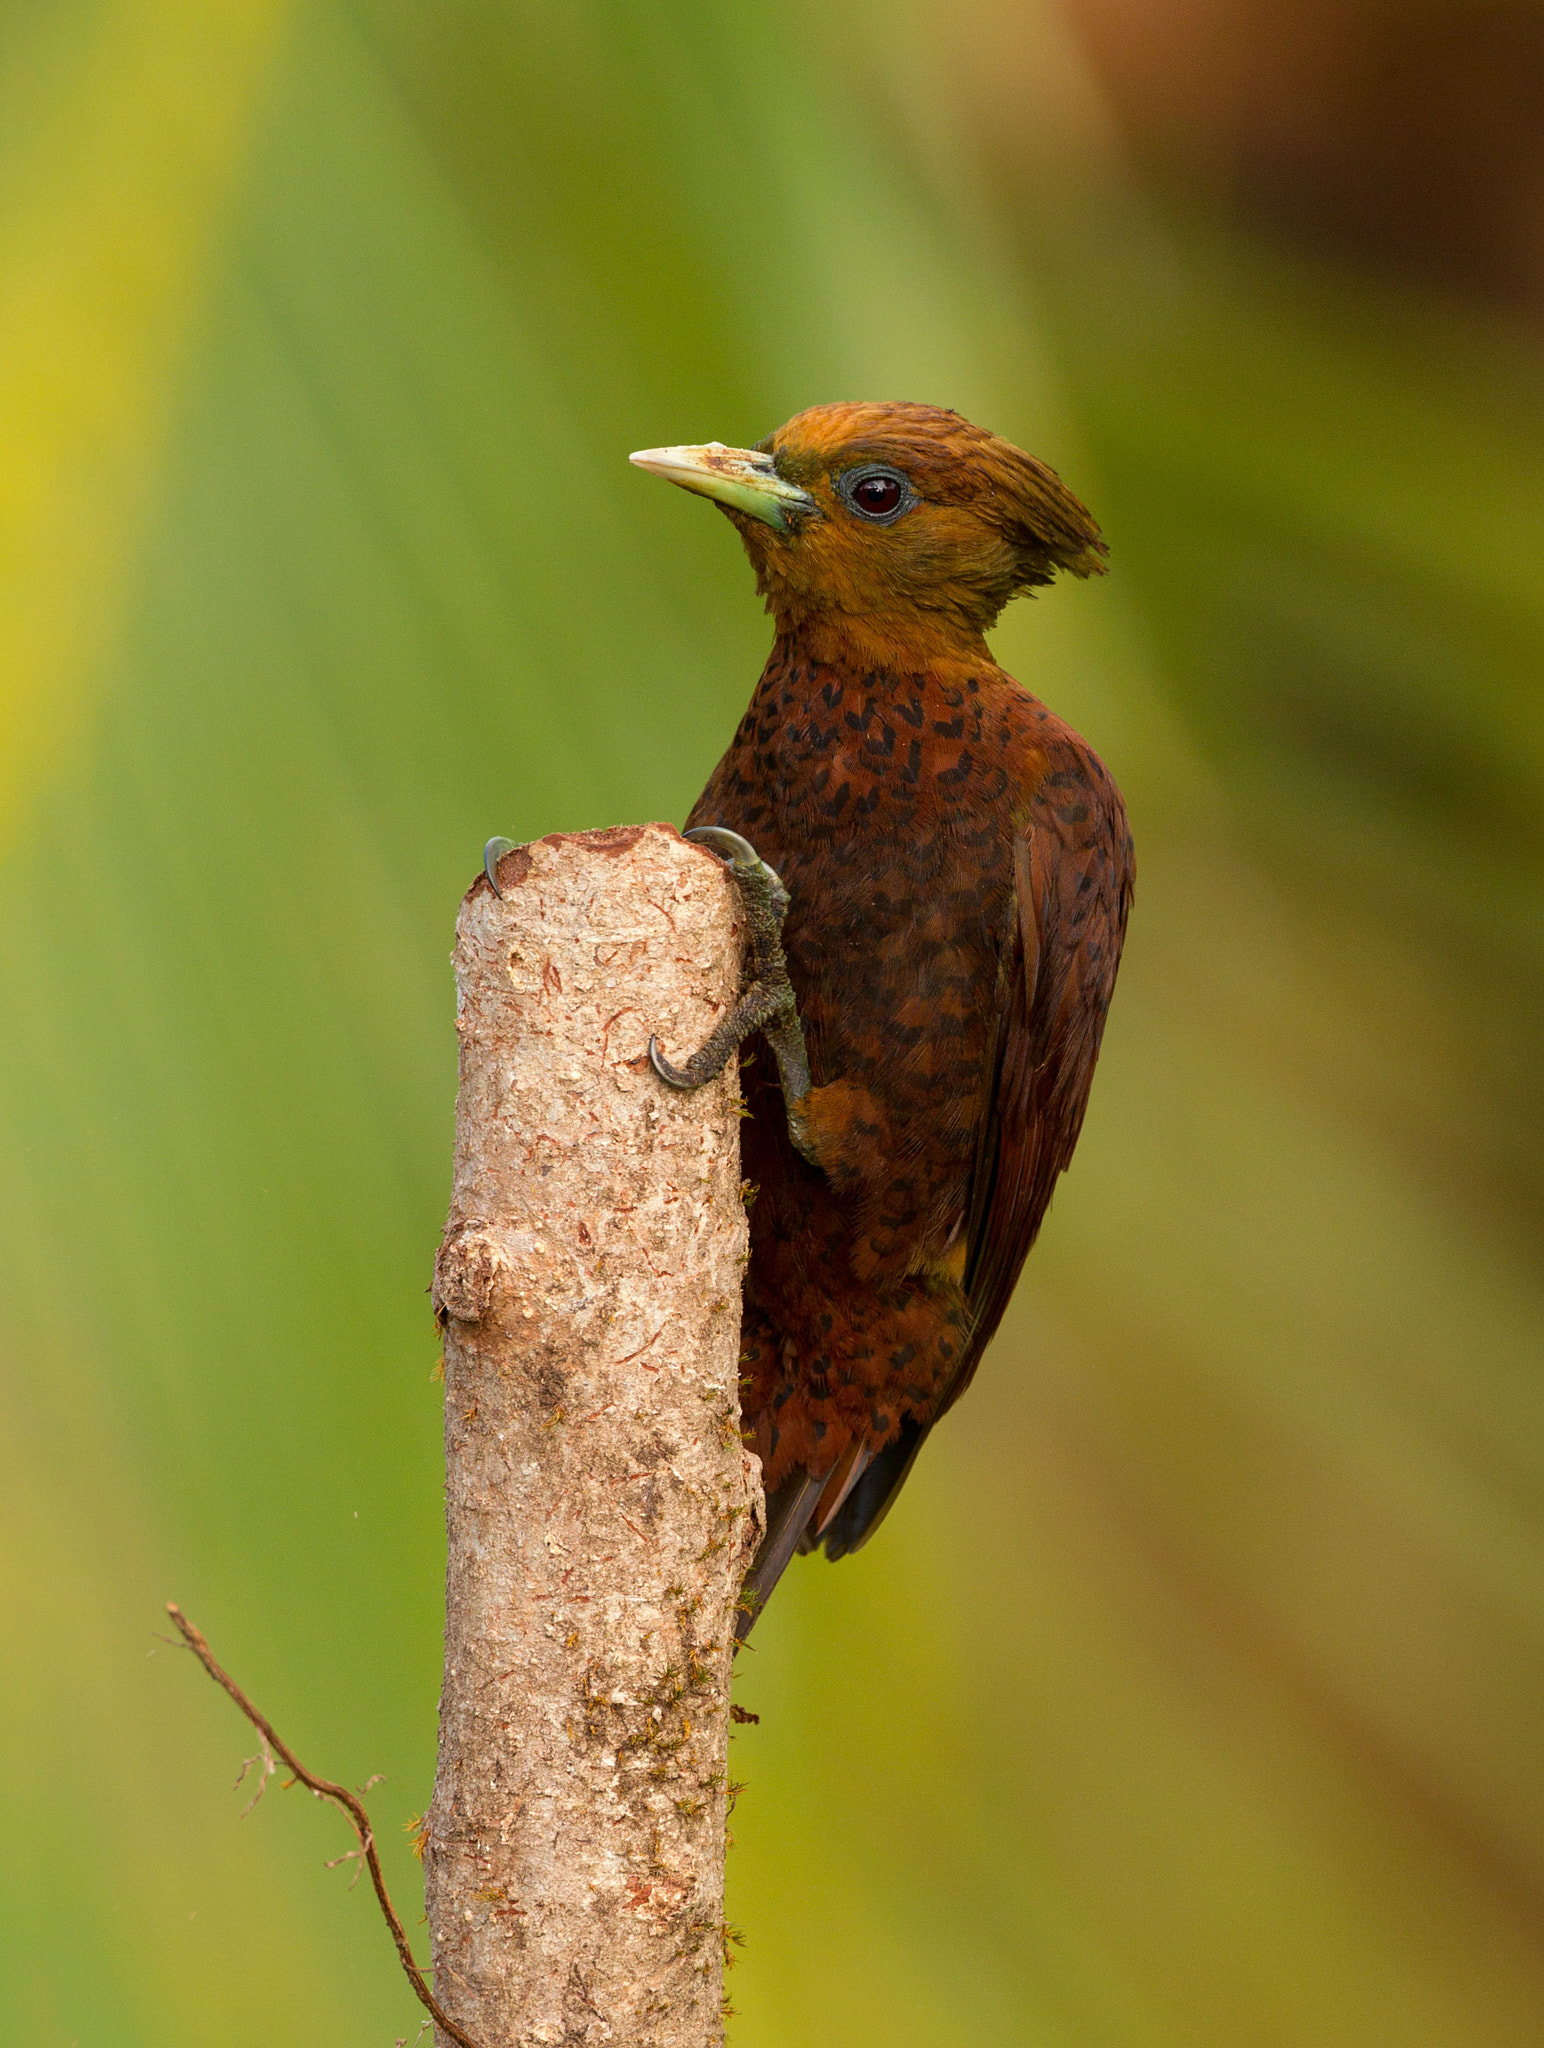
<point>1195,1693</point>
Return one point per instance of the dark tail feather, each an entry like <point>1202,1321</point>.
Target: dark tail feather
<point>866,1506</point>
<point>840,1482</point>
<point>788,1511</point>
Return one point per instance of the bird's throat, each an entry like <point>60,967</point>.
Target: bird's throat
<point>910,642</point>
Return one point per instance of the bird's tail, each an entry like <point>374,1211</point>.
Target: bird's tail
<point>789,1508</point>
<point>800,1513</point>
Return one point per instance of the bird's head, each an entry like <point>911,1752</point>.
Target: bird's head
<point>901,525</point>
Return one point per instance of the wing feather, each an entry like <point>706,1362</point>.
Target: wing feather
<point>1074,869</point>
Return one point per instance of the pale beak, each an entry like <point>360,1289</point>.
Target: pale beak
<point>742,478</point>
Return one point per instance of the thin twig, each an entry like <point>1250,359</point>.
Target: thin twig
<point>265,1767</point>
<point>343,1799</point>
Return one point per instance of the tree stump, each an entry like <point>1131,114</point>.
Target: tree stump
<point>600,1506</point>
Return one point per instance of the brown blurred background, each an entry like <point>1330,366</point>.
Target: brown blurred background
<point>1404,137</point>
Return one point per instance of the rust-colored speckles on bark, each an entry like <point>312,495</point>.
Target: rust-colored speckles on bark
<point>513,867</point>
<point>609,839</point>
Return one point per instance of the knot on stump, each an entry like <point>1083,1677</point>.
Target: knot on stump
<point>468,1268</point>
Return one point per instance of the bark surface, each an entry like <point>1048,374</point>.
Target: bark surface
<point>600,1506</point>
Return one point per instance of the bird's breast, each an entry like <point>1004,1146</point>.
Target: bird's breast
<point>888,804</point>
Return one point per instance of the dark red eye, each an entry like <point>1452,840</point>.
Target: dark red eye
<point>878,496</point>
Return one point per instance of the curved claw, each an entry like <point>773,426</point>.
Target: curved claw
<point>743,860</point>
<point>723,841</point>
<point>671,1076</point>
<point>493,853</point>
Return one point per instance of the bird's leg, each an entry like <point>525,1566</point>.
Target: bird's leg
<point>768,1004</point>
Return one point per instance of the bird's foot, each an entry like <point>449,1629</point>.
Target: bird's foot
<point>768,1004</point>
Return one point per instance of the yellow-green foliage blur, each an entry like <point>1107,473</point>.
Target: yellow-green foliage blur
<point>1193,1697</point>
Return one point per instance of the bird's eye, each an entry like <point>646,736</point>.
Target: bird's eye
<point>878,494</point>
